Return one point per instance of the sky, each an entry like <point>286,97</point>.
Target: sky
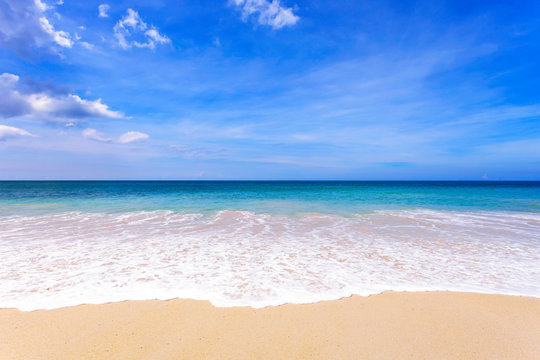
<point>270,89</point>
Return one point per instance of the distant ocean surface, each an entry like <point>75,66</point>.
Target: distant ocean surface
<point>241,243</point>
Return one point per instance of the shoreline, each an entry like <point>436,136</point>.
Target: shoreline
<point>451,291</point>
<point>451,325</point>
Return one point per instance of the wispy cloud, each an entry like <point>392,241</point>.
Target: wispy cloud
<point>10,132</point>
<point>132,136</point>
<point>87,45</point>
<point>498,114</point>
<point>93,134</point>
<point>125,138</point>
<point>130,25</point>
<point>195,152</point>
<point>378,111</point>
<point>266,12</point>
<point>17,100</point>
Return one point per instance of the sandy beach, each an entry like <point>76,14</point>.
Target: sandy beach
<point>433,325</point>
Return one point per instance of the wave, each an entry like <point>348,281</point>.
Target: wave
<point>236,258</point>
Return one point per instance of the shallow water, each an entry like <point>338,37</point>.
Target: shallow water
<point>263,244</point>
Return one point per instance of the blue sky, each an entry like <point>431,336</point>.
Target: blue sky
<point>260,89</point>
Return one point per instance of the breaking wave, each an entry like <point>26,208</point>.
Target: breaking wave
<point>235,258</point>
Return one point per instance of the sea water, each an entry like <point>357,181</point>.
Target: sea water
<point>263,243</point>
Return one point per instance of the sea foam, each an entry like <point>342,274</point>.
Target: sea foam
<point>235,258</point>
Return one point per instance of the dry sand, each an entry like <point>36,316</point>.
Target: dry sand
<point>437,325</point>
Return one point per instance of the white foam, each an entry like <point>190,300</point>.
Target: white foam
<point>243,258</point>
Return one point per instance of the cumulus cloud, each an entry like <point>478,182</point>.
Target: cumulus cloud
<point>269,13</point>
<point>130,26</point>
<point>50,103</point>
<point>93,134</point>
<point>132,136</point>
<point>10,132</point>
<point>24,26</point>
<point>103,10</point>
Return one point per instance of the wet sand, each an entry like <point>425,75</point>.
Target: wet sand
<point>433,325</point>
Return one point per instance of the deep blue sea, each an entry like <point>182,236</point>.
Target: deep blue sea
<point>263,243</point>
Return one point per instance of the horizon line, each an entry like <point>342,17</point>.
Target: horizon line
<point>273,180</point>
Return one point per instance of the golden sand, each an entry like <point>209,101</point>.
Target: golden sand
<point>435,325</point>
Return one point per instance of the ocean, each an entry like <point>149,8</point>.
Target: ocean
<point>261,243</point>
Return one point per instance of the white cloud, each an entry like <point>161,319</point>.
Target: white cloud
<point>62,38</point>
<point>103,10</point>
<point>87,45</point>
<point>93,134</point>
<point>270,13</point>
<point>25,25</point>
<point>10,131</point>
<point>132,24</point>
<point>70,105</point>
<point>154,35</point>
<point>132,20</point>
<point>132,136</point>
<point>50,104</point>
<point>41,6</point>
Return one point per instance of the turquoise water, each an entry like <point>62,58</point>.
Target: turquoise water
<point>276,197</point>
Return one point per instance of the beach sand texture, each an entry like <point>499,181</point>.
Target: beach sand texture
<point>432,325</point>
